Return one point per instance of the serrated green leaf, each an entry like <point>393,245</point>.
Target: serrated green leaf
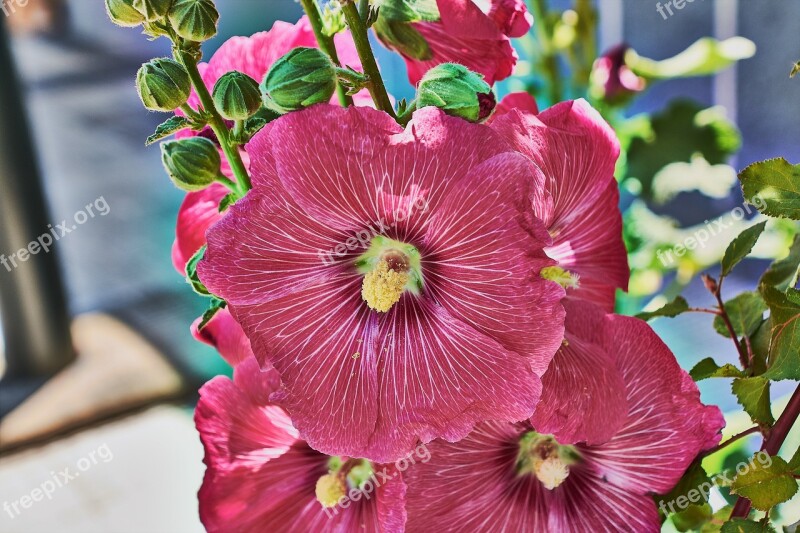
<point>766,485</point>
<point>741,246</point>
<point>753,395</point>
<point>692,518</point>
<point>794,464</point>
<point>784,273</point>
<point>759,343</point>
<point>167,128</point>
<point>684,511</point>
<point>717,520</point>
<point>773,186</point>
<point>784,348</point>
<point>191,273</point>
<point>743,525</point>
<point>746,312</point>
<point>672,309</point>
<point>707,368</point>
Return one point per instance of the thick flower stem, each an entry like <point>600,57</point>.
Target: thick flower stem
<point>773,444</point>
<point>361,39</point>
<point>326,44</point>
<point>215,122</point>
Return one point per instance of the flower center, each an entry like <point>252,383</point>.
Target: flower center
<point>342,476</point>
<point>565,278</point>
<point>390,268</point>
<point>545,458</point>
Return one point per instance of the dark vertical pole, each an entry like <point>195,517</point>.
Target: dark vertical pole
<point>32,304</point>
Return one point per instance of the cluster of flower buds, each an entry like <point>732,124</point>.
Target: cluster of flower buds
<point>193,20</point>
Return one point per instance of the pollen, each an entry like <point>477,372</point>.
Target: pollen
<point>566,279</point>
<point>551,471</point>
<point>383,287</point>
<point>329,490</point>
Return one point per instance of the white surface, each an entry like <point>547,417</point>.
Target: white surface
<point>144,478</point>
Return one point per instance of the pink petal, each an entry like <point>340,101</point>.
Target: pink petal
<point>576,150</point>
<point>484,269</point>
<point>226,335</point>
<point>521,101</point>
<point>197,213</point>
<point>583,397</point>
<point>667,425</point>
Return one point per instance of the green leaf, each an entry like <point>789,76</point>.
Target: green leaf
<point>784,348</point>
<point>753,395</point>
<point>191,272</point>
<point>759,342</point>
<point>717,520</point>
<point>678,133</point>
<point>794,464</point>
<point>168,127</point>
<point>403,37</point>
<point>227,201</point>
<point>213,308</point>
<point>409,10</point>
<point>685,502</point>
<point>743,525</point>
<point>672,309</point>
<point>741,246</point>
<point>766,485</point>
<point>746,312</point>
<point>707,368</point>
<point>773,186</point>
<point>703,57</point>
<point>692,518</point>
<point>784,273</point>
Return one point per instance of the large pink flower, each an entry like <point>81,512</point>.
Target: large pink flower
<point>391,277</point>
<point>261,476</point>
<point>514,477</point>
<point>576,150</point>
<point>474,33</point>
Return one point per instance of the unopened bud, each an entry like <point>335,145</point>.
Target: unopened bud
<point>152,9</point>
<point>303,77</point>
<point>192,164</point>
<point>456,90</point>
<point>163,84</point>
<point>194,20</point>
<point>237,96</point>
<point>122,13</point>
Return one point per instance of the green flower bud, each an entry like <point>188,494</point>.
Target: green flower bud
<point>192,164</point>
<point>122,13</point>
<point>237,96</point>
<point>194,20</point>
<point>163,84</point>
<point>152,9</point>
<point>303,77</point>
<point>457,90</point>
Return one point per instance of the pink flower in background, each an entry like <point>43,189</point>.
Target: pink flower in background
<point>507,476</point>
<point>612,79</point>
<point>391,277</point>
<point>576,150</point>
<point>260,474</point>
<point>474,33</point>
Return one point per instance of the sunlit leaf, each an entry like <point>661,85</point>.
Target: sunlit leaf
<point>753,395</point>
<point>672,309</point>
<point>774,187</point>
<point>766,485</point>
<point>707,368</point>
<point>741,246</point>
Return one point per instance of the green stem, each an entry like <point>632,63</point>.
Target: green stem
<point>326,44</point>
<point>359,32</point>
<point>223,179</point>
<point>215,121</point>
<point>549,61</point>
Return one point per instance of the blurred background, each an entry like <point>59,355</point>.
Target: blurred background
<point>119,416</point>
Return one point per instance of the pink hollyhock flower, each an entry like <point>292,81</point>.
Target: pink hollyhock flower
<point>507,476</point>
<point>391,277</point>
<point>612,79</point>
<point>474,33</point>
<point>260,474</point>
<point>576,150</point>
